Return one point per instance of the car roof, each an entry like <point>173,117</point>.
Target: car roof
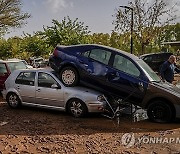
<point>1,61</point>
<point>102,46</point>
<point>158,53</point>
<point>36,70</point>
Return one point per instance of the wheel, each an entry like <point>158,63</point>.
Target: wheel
<point>159,111</point>
<point>69,76</point>
<point>77,108</point>
<point>13,100</point>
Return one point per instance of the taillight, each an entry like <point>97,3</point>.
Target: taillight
<point>55,53</point>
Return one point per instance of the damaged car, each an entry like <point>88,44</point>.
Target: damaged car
<point>119,74</point>
<point>42,88</point>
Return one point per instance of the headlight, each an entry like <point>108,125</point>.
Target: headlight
<point>101,98</point>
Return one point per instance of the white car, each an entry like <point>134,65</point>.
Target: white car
<point>42,88</point>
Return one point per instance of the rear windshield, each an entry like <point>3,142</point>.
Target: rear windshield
<point>16,65</point>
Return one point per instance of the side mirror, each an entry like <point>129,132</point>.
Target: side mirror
<point>55,86</point>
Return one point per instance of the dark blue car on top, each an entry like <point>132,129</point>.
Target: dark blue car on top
<point>116,73</point>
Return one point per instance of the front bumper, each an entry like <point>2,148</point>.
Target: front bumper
<point>96,106</point>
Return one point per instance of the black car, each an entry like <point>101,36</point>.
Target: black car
<point>155,60</point>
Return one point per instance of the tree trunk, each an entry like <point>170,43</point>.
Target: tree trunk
<point>143,48</point>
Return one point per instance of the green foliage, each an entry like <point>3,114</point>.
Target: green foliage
<point>114,40</point>
<point>66,32</point>
<point>11,15</point>
<point>34,46</point>
<point>147,20</point>
<point>70,32</point>
<point>5,49</point>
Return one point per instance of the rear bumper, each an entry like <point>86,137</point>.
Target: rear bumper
<point>54,63</point>
<point>4,94</point>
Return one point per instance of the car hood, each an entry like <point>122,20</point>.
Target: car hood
<point>167,87</point>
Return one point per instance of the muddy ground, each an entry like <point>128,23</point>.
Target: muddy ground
<point>31,130</point>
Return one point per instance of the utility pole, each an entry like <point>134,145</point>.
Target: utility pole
<point>132,24</point>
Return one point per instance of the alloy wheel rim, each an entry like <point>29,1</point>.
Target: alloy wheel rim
<point>76,109</point>
<point>13,101</point>
<point>68,77</point>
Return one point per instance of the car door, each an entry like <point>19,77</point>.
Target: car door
<point>46,94</point>
<point>3,74</point>
<point>124,79</point>
<point>25,85</point>
<point>96,65</point>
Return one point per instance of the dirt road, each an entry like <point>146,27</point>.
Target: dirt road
<point>30,130</point>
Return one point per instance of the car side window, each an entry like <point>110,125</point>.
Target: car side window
<point>123,64</point>
<point>86,54</point>
<point>157,58</point>
<point>3,69</point>
<point>148,59</point>
<point>45,80</point>
<point>26,78</point>
<point>100,55</point>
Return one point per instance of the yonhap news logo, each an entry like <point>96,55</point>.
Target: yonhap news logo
<point>129,140</point>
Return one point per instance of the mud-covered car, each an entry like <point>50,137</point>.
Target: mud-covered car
<point>41,88</point>
<point>119,74</point>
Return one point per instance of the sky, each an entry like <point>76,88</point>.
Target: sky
<point>96,14</point>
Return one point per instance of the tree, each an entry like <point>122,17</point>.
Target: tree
<point>11,15</point>
<point>170,33</point>
<point>5,49</point>
<point>147,19</point>
<point>34,45</point>
<point>66,32</point>
<point>100,38</point>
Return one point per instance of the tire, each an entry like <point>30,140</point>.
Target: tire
<point>69,76</point>
<point>13,100</point>
<point>77,108</point>
<point>159,111</point>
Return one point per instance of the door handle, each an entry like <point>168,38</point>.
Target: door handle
<point>114,74</point>
<point>38,90</point>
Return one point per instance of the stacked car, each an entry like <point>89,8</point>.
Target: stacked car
<point>111,73</point>
<point>119,74</point>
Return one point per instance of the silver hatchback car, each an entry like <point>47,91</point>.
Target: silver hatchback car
<point>42,88</point>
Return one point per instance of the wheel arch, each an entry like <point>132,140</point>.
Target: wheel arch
<point>165,101</point>
<point>74,98</point>
<point>69,65</point>
<point>14,92</point>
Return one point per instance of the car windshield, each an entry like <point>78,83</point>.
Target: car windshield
<point>16,65</point>
<point>149,72</point>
